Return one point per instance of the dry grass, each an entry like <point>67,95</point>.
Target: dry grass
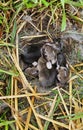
<point>57,109</point>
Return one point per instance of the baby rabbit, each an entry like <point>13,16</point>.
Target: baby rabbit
<point>61,60</point>
<point>63,75</point>
<point>49,52</point>
<point>46,76</point>
<point>62,69</point>
<point>32,71</point>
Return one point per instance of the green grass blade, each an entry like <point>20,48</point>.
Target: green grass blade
<point>76,4</point>
<point>1,19</point>
<point>4,123</point>
<point>45,3</point>
<point>2,43</point>
<point>29,4</point>
<point>6,127</point>
<point>72,116</point>
<point>9,72</point>
<point>63,3</point>
<point>81,1</point>
<point>77,116</point>
<point>13,34</point>
<point>76,18</point>
<point>63,25</point>
<point>55,108</point>
<point>35,1</point>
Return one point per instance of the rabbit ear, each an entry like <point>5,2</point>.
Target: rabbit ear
<point>54,61</point>
<point>42,51</point>
<point>49,65</point>
<point>34,63</point>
